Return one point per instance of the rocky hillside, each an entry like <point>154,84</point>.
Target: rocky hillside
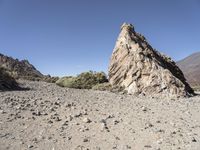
<point>191,68</point>
<point>19,69</point>
<point>23,70</point>
<point>142,70</point>
<point>7,82</point>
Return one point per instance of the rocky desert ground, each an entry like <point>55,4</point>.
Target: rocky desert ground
<point>48,117</point>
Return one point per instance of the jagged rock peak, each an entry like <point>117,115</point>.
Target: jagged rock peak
<point>140,69</point>
<point>127,26</point>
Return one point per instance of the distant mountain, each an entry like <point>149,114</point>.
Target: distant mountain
<point>191,68</point>
<point>20,69</point>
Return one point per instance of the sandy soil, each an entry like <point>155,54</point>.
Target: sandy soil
<point>48,117</point>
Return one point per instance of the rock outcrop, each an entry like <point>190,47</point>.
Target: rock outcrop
<point>142,70</point>
<point>19,69</point>
<point>7,82</point>
<point>23,70</point>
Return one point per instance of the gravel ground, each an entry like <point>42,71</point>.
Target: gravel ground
<point>48,117</point>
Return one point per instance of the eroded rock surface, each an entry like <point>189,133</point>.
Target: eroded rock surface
<point>141,69</point>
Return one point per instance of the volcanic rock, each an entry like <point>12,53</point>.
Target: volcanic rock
<point>22,69</point>
<point>191,68</point>
<point>142,70</point>
<point>19,69</point>
<point>7,82</point>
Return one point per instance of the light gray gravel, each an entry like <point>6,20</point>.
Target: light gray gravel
<point>49,117</point>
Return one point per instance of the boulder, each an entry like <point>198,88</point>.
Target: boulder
<point>142,70</point>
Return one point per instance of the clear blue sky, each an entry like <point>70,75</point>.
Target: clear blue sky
<point>66,37</point>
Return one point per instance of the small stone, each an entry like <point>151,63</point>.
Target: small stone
<point>144,108</point>
<point>57,103</point>
<point>65,123</point>
<point>37,113</point>
<point>116,122</point>
<point>128,147</point>
<point>69,118</point>
<point>194,140</point>
<point>86,120</point>
<point>85,140</point>
<point>50,121</point>
<point>148,146</point>
<point>104,127</point>
<point>158,121</point>
<point>21,142</point>
<point>160,141</point>
<point>148,125</point>
<point>69,138</point>
<point>2,111</point>
<point>103,121</point>
<point>30,146</point>
<point>57,119</point>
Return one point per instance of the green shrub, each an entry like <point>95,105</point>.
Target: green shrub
<point>50,79</point>
<point>85,80</point>
<point>66,82</point>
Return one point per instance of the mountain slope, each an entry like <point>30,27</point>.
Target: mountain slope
<point>191,68</point>
<point>7,82</point>
<point>19,69</point>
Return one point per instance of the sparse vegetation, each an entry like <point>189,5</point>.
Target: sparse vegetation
<point>6,81</point>
<point>85,80</point>
<point>66,82</point>
<point>196,88</point>
<point>50,79</point>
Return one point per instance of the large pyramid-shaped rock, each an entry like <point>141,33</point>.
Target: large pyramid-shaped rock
<point>141,69</point>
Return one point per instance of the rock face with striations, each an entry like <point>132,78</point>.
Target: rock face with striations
<point>142,70</point>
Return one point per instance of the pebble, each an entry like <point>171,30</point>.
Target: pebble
<point>160,141</point>
<point>148,146</point>
<point>30,146</point>
<point>116,122</point>
<point>2,111</point>
<point>57,119</point>
<point>70,118</point>
<point>144,108</point>
<point>85,140</point>
<point>86,120</point>
<point>194,140</point>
